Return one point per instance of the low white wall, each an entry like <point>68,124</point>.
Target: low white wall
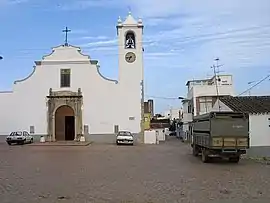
<point>150,137</point>
<point>160,133</point>
<point>259,129</point>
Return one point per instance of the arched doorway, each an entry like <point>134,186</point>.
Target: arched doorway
<point>64,123</point>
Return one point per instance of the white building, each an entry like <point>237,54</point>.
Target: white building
<point>258,108</point>
<point>66,96</point>
<point>201,96</point>
<point>172,113</point>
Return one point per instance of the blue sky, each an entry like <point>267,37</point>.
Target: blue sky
<point>181,39</point>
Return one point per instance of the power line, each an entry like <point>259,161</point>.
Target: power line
<point>262,80</point>
<point>166,98</point>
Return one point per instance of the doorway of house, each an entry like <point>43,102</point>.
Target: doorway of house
<point>64,123</point>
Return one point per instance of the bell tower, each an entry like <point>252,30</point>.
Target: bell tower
<point>131,74</point>
<point>130,47</point>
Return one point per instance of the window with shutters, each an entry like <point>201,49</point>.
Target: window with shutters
<point>65,78</point>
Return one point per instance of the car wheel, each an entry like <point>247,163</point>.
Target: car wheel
<point>31,141</point>
<point>9,143</point>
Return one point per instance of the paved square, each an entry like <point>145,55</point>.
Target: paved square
<point>109,173</point>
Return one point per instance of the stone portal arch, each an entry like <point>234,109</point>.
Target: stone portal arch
<point>64,105</point>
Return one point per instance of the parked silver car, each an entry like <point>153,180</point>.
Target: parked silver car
<point>19,137</point>
<point>124,137</point>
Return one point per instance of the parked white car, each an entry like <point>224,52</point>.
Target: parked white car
<point>19,137</point>
<point>124,137</point>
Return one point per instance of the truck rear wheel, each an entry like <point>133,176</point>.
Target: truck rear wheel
<point>205,157</point>
<point>195,150</point>
<point>234,159</point>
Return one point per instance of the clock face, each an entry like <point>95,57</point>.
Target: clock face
<point>130,57</point>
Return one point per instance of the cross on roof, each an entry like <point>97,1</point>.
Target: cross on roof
<point>66,31</point>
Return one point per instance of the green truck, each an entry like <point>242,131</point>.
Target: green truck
<point>220,134</point>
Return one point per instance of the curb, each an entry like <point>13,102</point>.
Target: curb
<point>263,160</point>
<point>49,144</point>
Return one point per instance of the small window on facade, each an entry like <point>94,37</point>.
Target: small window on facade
<point>116,129</point>
<point>189,109</point>
<point>32,129</point>
<point>65,78</point>
<point>86,129</point>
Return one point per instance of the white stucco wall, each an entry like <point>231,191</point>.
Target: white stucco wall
<point>211,90</point>
<point>259,130</point>
<point>6,106</point>
<point>105,102</point>
<point>222,106</point>
<point>203,89</point>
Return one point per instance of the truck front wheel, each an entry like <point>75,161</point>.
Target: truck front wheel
<point>205,157</point>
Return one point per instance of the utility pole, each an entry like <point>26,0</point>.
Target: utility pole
<point>249,83</point>
<point>215,74</point>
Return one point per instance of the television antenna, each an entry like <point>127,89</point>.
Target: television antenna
<point>217,79</point>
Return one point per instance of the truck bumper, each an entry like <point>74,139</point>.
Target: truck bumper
<point>227,152</point>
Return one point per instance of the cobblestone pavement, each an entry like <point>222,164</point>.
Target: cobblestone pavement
<point>108,173</point>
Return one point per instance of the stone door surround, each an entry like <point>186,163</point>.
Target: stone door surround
<point>57,99</point>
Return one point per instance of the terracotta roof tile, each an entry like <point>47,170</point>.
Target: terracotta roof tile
<point>250,104</point>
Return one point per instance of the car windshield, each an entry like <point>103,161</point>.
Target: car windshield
<point>124,133</point>
<point>18,133</point>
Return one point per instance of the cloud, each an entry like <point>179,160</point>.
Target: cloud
<point>182,37</point>
<point>84,4</point>
<point>95,37</point>
<point>12,2</point>
<point>107,50</point>
<point>202,29</point>
<point>100,43</point>
<point>195,32</point>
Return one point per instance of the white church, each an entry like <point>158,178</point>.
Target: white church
<point>66,97</point>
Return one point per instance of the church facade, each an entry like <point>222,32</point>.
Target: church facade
<point>66,97</point>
